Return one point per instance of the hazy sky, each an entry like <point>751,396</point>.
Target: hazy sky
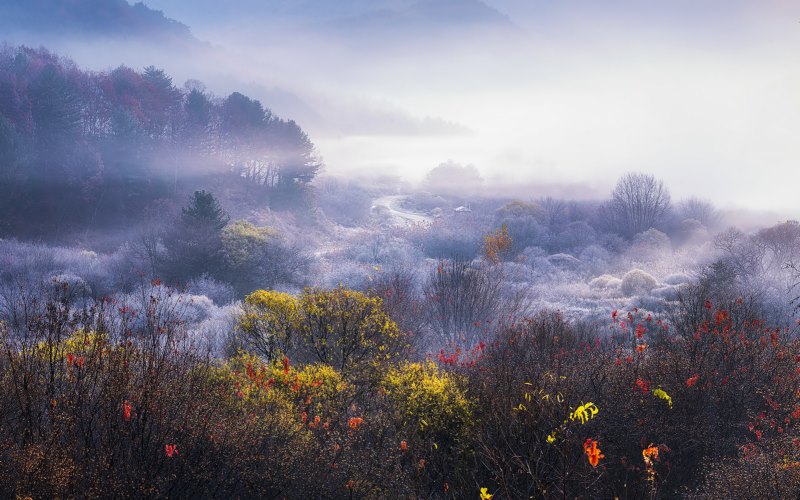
<point>702,93</point>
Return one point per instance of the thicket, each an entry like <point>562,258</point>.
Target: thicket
<point>325,397</point>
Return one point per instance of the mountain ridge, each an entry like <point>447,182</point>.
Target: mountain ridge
<point>321,14</point>
<point>104,18</point>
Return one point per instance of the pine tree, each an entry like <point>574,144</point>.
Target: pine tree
<point>195,246</point>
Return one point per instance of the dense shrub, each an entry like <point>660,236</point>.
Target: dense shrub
<point>457,236</point>
<point>123,397</point>
<point>692,399</point>
<point>342,201</point>
<point>256,257</point>
<point>459,298</point>
<point>605,281</point>
<point>342,328</point>
<point>523,223</point>
<point>432,417</point>
<point>637,282</point>
<point>91,397</point>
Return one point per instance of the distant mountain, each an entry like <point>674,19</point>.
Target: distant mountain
<point>430,15</point>
<point>363,15</point>
<point>107,18</point>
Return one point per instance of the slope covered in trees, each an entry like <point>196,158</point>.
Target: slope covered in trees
<point>82,149</point>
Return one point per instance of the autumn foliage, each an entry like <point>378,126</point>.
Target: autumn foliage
<point>115,397</point>
<point>497,245</point>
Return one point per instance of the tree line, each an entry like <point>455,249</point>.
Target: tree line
<point>83,148</point>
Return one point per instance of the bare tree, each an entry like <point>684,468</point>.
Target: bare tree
<point>700,210</point>
<point>554,213</point>
<point>638,202</point>
<point>460,297</point>
<point>402,299</point>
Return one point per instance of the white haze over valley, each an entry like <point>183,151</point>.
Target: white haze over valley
<point>548,98</point>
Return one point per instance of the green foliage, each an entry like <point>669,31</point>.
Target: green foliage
<point>194,245</point>
<point>241,242</point>
<point>204,210</point>
<point>256,257</point>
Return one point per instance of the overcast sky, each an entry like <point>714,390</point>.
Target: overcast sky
<point>702,93</point>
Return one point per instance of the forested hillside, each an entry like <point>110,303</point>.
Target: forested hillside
<point>81,148</point>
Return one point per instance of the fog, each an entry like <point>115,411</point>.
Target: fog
<point>415,109</point>
<point>291,237</point>
<point>542,94</point>
<point>569,91</point>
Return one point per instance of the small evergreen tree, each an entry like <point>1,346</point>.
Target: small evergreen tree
<point>204,210</point>
<point>195,246</point>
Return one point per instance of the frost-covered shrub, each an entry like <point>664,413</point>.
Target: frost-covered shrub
<point>677,279</point>
<point>577,236</point>
<point>542,266</point>
<point>209,326</point>
<point>648,303</point>
<point>380,248</point>
<point>564,261</point>
<point>530,253</point>
<point>349,275</point>
<point>652,238</point>
<point>637,282</point>
<point>344,202</point>
<point>668,293</point>
<point>197,308</point>
<point>517,273</point>
<point>649,245</point>
<point>691,231</point>
<point>380,214</point>
<point>450,237</point>
<point>605,281</point>
<point>217,329</point>
<point>521,220</point>
<point>75,283</point>
<point>595,258</point>
<point>102,274</point>
<point>219,292</point>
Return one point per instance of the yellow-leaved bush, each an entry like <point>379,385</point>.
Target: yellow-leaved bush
<point>313,389</point>
<point>429,406</point>
<point>269,321</point>
<point>345,328</point>
<point>241,241</point>
<point>291,412</point>
<point>80,342</point>
<point>496,246</point>
<point>342,328</point>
